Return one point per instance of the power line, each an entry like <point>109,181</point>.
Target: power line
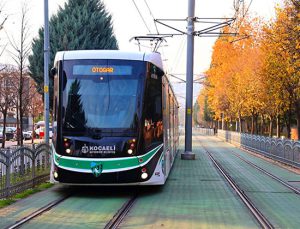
<point>247,8</point>
<point>151,16</point>
<point>240,21</point>
<point>141,16</point>
<point>179,55</point>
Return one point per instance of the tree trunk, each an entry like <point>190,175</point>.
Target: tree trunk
<point>252,123</point>
<point>298,118</point>
<point>262,125</point>
<point>223,123</point>
<point>32,135</point>
<point>240,123</point>
<point>278,126</point>
<point>4,128</point>
<point>256,124</point>
<point>18,123</point>
<point>271,127</point>
<point>288,123</point>
<point>21,104</point>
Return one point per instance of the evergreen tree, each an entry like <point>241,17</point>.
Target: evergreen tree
<point>81,24</point>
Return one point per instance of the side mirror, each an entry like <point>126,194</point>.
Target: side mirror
<point>53,72</point>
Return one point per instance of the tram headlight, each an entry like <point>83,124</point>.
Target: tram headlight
<point>130,151</point>
<point>144,176</point>
<point>68,148</point>
<point>68,151</point>
<point>131,146</point>
<point>55,174</point>
<point>144,173</point>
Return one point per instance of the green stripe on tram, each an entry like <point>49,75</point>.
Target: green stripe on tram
<point>107,164</point>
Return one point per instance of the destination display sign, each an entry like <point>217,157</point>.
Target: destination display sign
<point>102,70</point>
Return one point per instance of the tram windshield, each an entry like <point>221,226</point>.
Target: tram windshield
<point>101,94</point>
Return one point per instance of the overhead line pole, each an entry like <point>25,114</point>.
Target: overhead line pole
<point>46,70</point>
<point>208,32</point>
<point>188,154</point>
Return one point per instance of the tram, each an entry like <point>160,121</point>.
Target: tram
<point>115,119</point>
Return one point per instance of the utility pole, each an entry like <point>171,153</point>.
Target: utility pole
<point>188,154</point>
<point>46,71</point>
<point>212,30</point>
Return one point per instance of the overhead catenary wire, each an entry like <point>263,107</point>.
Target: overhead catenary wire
<point>156,39</point>
<point>179,55</point>
<point>151,14</point>
<point>141,16</point>
<point>241,19</point>
<point>246,11</point>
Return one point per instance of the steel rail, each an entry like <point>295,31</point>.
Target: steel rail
<point>261,219</point>
<point>37,213</point>
<point>295,190</point>
<point>121,214</point>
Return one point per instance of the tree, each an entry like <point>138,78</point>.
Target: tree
<point>204,115</point>
<point>234,78</point>
<point>7,94</point>
<point>32,103</point>
<point>2,22</point>
<point>20,53</point>
<point>282,61</point>
<point>275,98</point>
<point>259,77</point>
<point>81,24</point>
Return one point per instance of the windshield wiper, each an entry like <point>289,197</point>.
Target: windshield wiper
<point>68,125</point>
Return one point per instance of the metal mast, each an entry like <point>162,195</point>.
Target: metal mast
<point>188,154</point>
<point>46,71</point>
<point>212,30</point>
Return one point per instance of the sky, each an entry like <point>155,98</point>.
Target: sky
<point>127,23</point>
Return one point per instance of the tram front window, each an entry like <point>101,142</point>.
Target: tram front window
<point>101,94</point>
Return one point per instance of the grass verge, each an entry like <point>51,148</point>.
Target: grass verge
<point>22,195</point>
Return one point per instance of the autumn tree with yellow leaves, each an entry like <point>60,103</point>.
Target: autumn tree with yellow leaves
<point>258,78</point>
<point>233,79</point>
<point>281,65</point>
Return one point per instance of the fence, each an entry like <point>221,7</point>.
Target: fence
<point>23,168</point>
<point>204,131</point>
<point>284,150</point>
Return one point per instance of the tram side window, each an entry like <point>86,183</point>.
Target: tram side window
<point>153,126</point>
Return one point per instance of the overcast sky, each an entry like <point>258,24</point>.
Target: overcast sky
<point>128,23</point>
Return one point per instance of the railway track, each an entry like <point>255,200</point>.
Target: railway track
<point>37,213</point>
<point>295,190</point>
<point>261,219</point>
<point>113,223</point>
<point>121,214</point>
